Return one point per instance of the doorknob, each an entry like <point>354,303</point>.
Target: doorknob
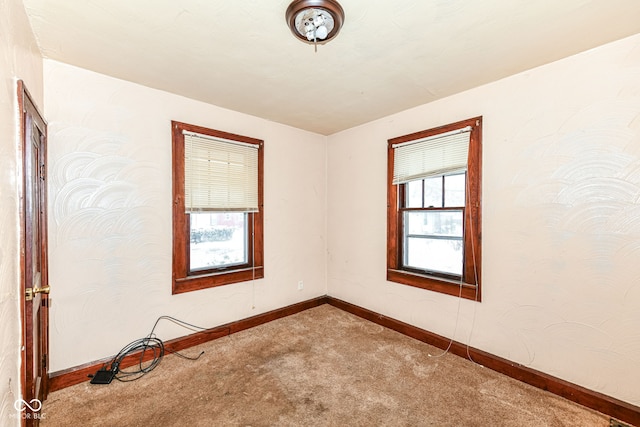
<point>30,292</point>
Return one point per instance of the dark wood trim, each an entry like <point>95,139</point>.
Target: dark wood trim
<point>79,374</point>
<point>25,318</point>
<point>193,283</point>
<point>34,314</point>
<point>182,281</point>
<point>591,399</point>
<point>432,284</point>
<point>269,316</point>
<point>473,236</point>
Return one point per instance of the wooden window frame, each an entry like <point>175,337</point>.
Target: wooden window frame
<point>183,281</point>
<point>470,285</point>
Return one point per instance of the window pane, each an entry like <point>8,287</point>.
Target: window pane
<point>433,192</point>
<point>433,223</point>
<point>414,194</point>
<point>454,186</point>
<point>218,240</point>
<point>437,255</point>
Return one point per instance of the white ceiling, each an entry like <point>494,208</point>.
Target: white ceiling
<point>389,56</point>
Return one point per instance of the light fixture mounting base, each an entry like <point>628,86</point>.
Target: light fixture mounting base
<point>315,21</point>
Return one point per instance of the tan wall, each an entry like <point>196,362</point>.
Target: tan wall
<point>19,59</point>
<point>561,212</point>
<point>110,215</point>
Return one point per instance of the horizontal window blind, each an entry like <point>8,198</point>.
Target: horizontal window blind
<point>220,175</point>
<point>441,154</point>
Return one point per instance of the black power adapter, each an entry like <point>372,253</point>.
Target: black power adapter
<point>104,376</point>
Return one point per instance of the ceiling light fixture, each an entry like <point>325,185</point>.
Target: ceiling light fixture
<point>315,21</point>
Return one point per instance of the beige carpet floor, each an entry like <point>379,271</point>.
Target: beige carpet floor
<point>321,367</point>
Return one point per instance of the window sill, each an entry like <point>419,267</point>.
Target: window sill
<point>449,287</point>
<point>205,281</point>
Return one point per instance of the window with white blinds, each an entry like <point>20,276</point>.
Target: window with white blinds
<point>434,206</point>
<point>442,154</point>
<point>220,175</point>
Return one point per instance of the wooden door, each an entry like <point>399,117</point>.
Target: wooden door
<point>35,278</point>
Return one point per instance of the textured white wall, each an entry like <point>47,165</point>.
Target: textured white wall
<point>561,220</point>
<point>19,59</point>
<point>110,215</point>
<point>561,213</point>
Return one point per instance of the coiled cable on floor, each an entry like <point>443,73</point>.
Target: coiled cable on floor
<point>151,349</point>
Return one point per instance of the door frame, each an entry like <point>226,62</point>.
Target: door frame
<point>28,108</point>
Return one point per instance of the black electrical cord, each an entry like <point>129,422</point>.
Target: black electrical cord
<point>149,344</point>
